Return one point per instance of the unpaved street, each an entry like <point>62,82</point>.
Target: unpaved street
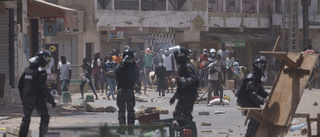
<point>228,124</point>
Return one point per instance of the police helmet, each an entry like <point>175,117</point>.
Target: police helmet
<point>42,58</point>
<point>180,53</point>
<point>259,65</point>
<point>128,56</point>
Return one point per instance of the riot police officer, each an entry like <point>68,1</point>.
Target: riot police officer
<point>34,93</point>
<point>251,92</point>
<point>127,76</point>
<point>188,82</point>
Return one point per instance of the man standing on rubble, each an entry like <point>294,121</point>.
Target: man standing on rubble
<point>251,92</point>
<point>127,75</point>
<point>34,93</point>
<point>188,82</point>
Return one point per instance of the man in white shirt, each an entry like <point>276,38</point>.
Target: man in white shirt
<point>224,53</point>
<point>64,72</point>
<point>215,78</point>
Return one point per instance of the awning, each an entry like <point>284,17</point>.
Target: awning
<point>237,35</point>
<point>40,8</point>
<point>7,5</point>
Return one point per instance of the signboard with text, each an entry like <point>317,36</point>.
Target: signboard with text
<point>234,42</point>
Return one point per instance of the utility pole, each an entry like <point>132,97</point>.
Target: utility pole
<point>305,5</point>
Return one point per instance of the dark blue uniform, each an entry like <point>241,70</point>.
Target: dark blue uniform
<point>34,93</point>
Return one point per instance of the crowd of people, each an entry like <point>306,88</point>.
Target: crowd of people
<point>124,73</point>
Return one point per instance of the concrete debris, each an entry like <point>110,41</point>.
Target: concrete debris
<point>149,109</point>
<point>110,109</point>
<point>14,132</point>
<point>93,107</point>
<point>203,102</point>
<point>139,113</point>
<point>219,112</point>
<point>141,99</point>
<point>304,131</point>
<point>160,111</point>
<point>206,131</point>
<point>205,124</point>
<point>315,103</point>
<point>204,113</point>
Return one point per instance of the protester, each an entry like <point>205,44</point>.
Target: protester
<point>193,59</point>
<point>64,72</point>
<point>229,66</point>
<point>224,53</point>
<point>34,93</point>
<point>111,77</point>
<point>160,73</point>
<point>168,62</point>
<point>147,58</point>
<point>87,70</point>
<point>203,73</point>
<point>187,82</point>
<point>238,74</point>
<point>141,72</point>
<point>251,92</point>
<point>215,78</point>
<point>103,75</point>
<point>116,56</point>
<point>127,74</point>
<point>96,66</point>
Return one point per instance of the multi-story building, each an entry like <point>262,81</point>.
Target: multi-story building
<point>247,25</point>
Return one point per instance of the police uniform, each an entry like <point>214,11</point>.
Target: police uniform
<point>34,94</point>
<point>127,74</point>
<point>187,86</point>
<point>251,93</point>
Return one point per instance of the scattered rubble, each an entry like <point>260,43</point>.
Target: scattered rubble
<point>141,99</point>
<point>160,111</point>
<point>315,103</point>
<point>139,113</point>
<point>110,109</point>
<point>149,109</point>
<point>93,107</point>
<point>205,124</point>
<point>219,112</point>
<point>204,113</point>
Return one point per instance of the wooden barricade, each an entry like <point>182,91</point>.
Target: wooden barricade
<point>309,120</point>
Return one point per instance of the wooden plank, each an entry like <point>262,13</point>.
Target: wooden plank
<point>318,124</point>
<point>282,57</point>
<point>261,119</point>
<point>309,125</point>
<point>248,108</point>
<point>287,92</point>
<point>276,45</point>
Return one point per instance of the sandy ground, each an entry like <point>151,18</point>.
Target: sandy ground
<point>229,124</point>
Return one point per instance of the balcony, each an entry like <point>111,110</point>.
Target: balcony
<point>248,6</point>
<point>126,5</point>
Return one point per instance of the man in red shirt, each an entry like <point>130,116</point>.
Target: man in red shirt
<point>203,73</point>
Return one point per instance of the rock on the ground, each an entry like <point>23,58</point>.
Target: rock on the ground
<point>93,107</point>
<point>149,109</point>
<point>205,124</point>
<point>315,103</point>
<point>139,113</point>
<point>110,109</point>
<point>204,113</point>
<point>160,111</point>
<point>141,99</point>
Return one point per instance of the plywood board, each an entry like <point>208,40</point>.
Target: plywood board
<point>287,92</point>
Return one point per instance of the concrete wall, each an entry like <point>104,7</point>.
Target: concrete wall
<point>22,59</point>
